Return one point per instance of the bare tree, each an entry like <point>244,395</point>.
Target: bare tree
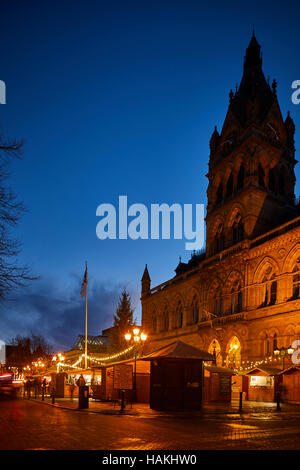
<point>22,350</point>
<point>11,209</point>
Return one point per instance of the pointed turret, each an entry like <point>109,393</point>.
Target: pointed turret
<point>253,54</point>
<point>214,140</point>
<point>254,97</point>
<point>146,282</point>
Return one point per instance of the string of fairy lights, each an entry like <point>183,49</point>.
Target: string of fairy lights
<point>248,365</point>
<point>94,360</point>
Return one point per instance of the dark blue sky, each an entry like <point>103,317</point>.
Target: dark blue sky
<point>114,98</point>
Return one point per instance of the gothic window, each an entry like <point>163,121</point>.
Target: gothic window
<point>240,178</point>
<point>218,304</point>
<point>273,293</point>
<point>195,310</point>
<point>275,342</point>
<point>237,230</point>
<point>179,316</point>
<point>236,300</point>
<point>220,239</point>
<point>240,301</point>
<point>229,186</point>
<point>166,320</point>
<point>265,301</point>
<point>219,197</point>
<point>269,289</point>
<point>261,176</point>
<point>296,286</point>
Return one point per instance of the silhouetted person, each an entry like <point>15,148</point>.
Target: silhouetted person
<point>80,382</point>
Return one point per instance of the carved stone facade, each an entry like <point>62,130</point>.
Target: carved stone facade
<point>241,298</point>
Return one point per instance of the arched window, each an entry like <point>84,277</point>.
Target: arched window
<point>240,178</point>
<point>220,239</point>
<point>273,293</point>
<point>166,320</point>
<point>236,300</point>
<point>218,304</point>
<point>219,197</point>
<point>179,316</point>
<point>296,283</point>
<point>275,342</point>
<point>237,231</point>
<point>195,310</point>
<point>261,176</point>
<point>296,286</point>
<point>266,296</point>
<point>240,301</point>
<point>229,186</point>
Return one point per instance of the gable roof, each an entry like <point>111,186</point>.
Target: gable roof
<point>179,350</point>
<point>267,370</point>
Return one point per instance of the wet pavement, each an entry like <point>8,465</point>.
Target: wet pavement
<point>32,424</point>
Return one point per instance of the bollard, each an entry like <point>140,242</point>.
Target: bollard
<point>43,393</point>
<point>241,402</point>
<point>53,396</point>
<point>278,401</point>
<point>122,400</point>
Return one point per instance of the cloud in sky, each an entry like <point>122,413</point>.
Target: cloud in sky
<point>57,312</point>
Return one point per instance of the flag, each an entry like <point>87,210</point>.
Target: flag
<point>84,282</point>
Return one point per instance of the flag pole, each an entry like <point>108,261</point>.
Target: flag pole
<point>85,352</point>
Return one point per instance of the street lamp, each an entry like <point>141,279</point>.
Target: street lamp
<point>58,358</point>
<point>283,352</point>
<point>136,337</point>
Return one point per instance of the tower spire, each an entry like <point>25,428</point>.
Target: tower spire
<point>146,282</point>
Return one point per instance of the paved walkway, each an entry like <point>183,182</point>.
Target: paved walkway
<point>33,424</point>
<point>250,408</point>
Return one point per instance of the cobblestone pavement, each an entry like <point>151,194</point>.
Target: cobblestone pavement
<point>26,424</point>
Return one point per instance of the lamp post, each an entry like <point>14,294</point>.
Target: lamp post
<point>283,352</point>
<point>57,359</point>
<point>136,337</point>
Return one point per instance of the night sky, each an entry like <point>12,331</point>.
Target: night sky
<point>118,98</point>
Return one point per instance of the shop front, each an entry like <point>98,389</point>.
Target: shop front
<point>217,384</point>
<point>65,382</point>
<point>141,370</point>
<point>263,384</point>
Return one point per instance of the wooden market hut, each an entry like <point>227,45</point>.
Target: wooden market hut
<point>263,383</point>
<point>107,392</point>
<point>176,377</point>
<point>290,385</point>
<point>217,384</point>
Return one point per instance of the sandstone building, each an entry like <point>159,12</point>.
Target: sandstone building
<point>241,298</point>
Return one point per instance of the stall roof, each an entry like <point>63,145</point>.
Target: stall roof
<point>220,370</point>
<point>179,350</point>
<point>290,370</point>
<point>266,370</point>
